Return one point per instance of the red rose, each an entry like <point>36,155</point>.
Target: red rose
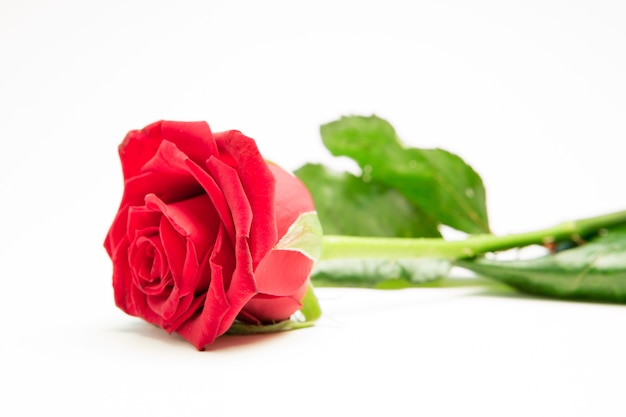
<point>207,232</point>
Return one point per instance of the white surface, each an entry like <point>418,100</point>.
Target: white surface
<point>531,93</point>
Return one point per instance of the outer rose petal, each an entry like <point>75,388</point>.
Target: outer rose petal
<point>282,272</point>
<point>195,139</point>
<point>258,182</point>
<point>285,295</point>
<point>292,198</point>
<point>282,275</point>
<point>268,309</point>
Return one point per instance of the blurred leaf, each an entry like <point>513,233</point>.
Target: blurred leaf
<point>593,271</point>
<point>437,181</point>
<point>347,205</point>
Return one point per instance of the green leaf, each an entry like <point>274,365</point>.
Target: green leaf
<point>379,273</point>
<point>347,205</point>
<point>594,271</point>
<point>437,181</point>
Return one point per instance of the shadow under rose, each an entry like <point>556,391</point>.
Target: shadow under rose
<point>148,331</point>
<point>230,341</point>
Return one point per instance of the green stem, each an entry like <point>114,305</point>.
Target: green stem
<point>396,248</point>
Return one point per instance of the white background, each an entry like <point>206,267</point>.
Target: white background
<point>531,93</point>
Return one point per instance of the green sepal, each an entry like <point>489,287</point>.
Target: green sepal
<point>304,236</point>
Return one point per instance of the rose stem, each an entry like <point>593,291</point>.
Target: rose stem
<point>394,248</point>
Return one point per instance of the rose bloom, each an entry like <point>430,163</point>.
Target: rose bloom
<point>196,243</point>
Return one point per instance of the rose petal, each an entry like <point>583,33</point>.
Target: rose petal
<point>282,272</point>
<point>188,232</point>
<point>163,305</point>
<point>139,302</point>
<point>192,138</point>
<point>175,247</point>
<point>126,222</point>
<point>258,184</point>
<point>146,256</point>
<point>292,199</point>
<point>168,160</point>
<point>214,319</point>
<point>180,251</point>
<point>242,284</point>
<point>138,147</point>
<point>142,221</point>
<point>149,269</point>
<point>266,308</point>
<point>190,305</point>
<point>228,182</point>
<point>122,279</point>
<point>216,195</point>
<point>196,219</point>
<point>166,174</point>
